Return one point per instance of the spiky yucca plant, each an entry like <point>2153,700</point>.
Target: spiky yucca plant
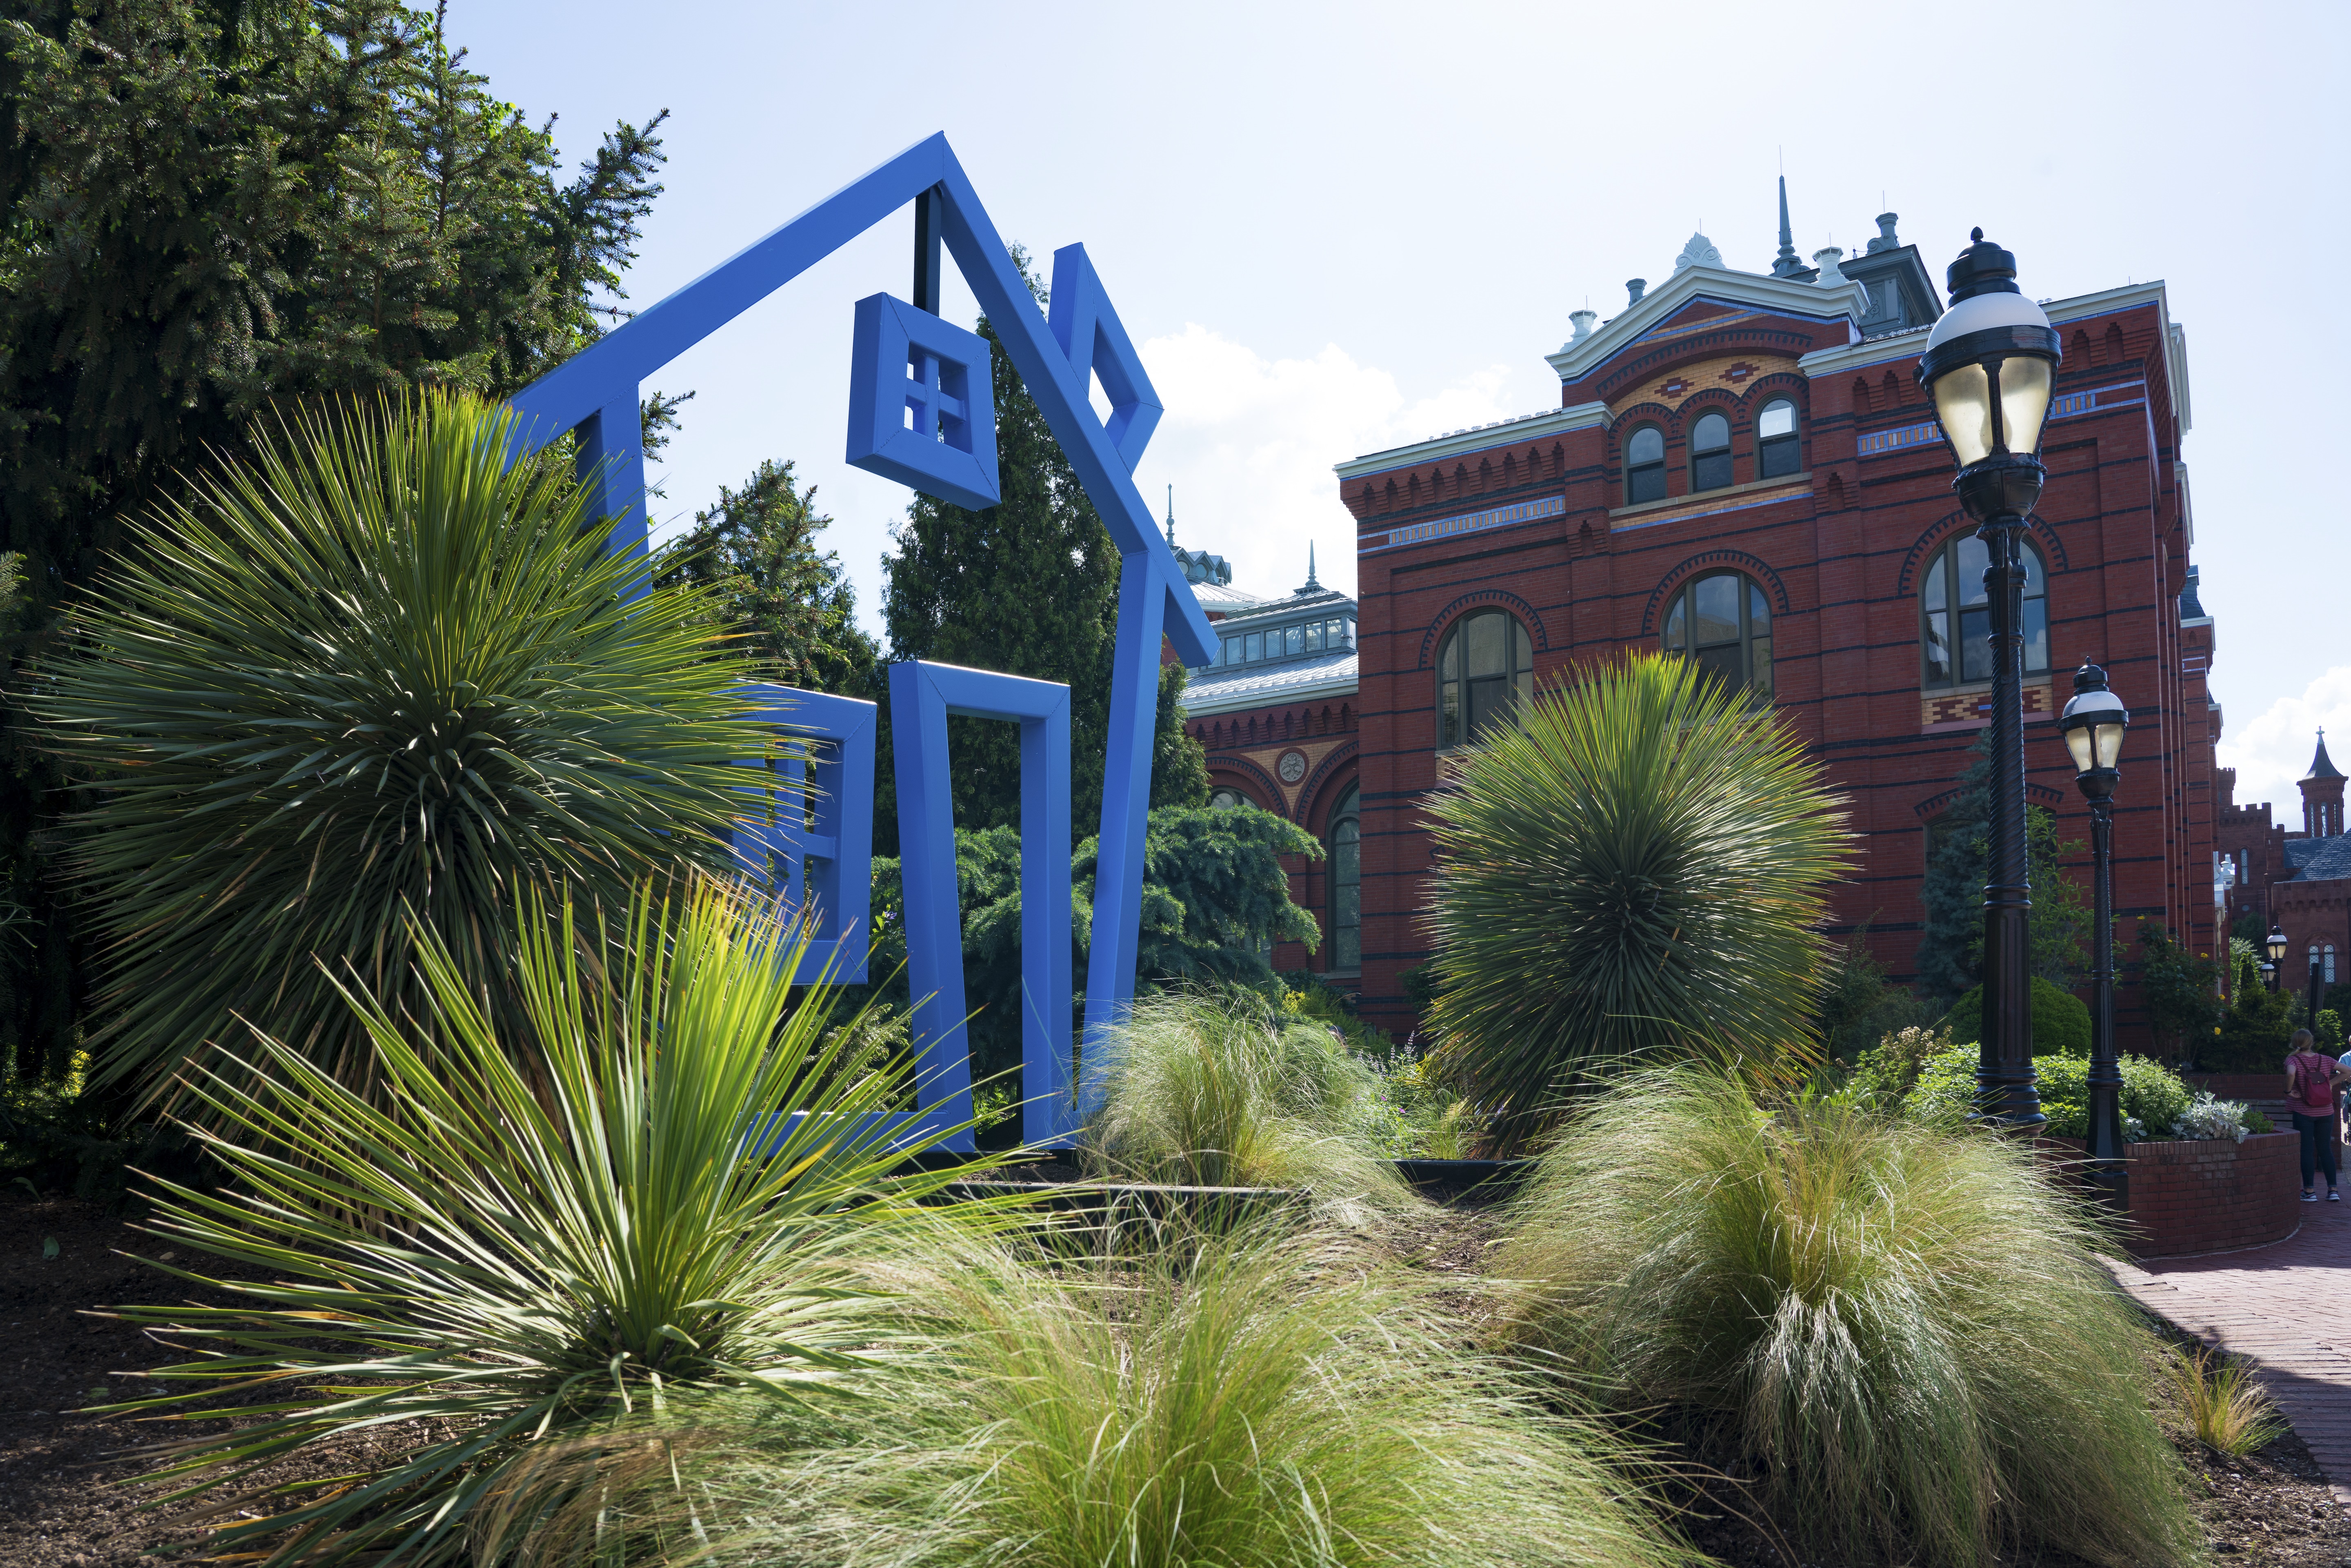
<point>1905,1326</point>
<point>374,674</point>
<point>1633,869</point>
<point>667,1181</point>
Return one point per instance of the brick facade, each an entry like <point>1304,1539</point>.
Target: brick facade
<point>1532,516</point>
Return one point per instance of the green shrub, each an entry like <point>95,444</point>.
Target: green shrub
<point>1889,1069</point>
<point>1633,868</point>
<point>1260,1404</point>
<point>2153,1096</point>
<point>1210,1090</point>
<point>2061,1022</point>
<point>373,677</point>
<point>534,1235</point>
<point>1904,1326</point>
<point>2255,1029</point>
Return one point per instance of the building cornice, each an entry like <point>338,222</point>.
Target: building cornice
<point>1504,432</point>
<point>1782,295</point>
<point>1904,347</point>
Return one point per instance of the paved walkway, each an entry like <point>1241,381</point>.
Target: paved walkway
<point>2287,1307</point>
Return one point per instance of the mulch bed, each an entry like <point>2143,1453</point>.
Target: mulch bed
<point>66,1499</point>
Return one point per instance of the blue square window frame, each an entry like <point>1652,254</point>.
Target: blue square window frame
<point>921,403</point>
<point>922,696</point>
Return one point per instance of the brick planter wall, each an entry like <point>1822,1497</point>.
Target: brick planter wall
<point>2214,1196</point>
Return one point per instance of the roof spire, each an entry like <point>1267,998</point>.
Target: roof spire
<point>1786,263</point>
<point>1170,516</point>
<point>2323,765</point>
<point>1310,583</point>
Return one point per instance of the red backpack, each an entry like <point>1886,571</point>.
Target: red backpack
<point>2313,1086</point>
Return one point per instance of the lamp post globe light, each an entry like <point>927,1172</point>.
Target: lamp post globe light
<point>2092,724</point>
<point>2276,966</point>
<point>1990,367</point>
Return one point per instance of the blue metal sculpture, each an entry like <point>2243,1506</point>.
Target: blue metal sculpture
<point>922,696</point>
<point>596,393</point>
<point>808,836</point>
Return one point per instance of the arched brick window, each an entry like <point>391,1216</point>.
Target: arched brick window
<point>1484,669</point>
<point>1954,618</point>
<point>1722,621</point>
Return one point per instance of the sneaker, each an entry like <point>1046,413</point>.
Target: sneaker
<point>2332,1195</point>
<point>2308,1195</point>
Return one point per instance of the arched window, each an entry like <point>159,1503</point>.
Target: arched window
<point>1227,799</point>
<point>1485,668</point>
<point>1709,447</point>
<point>1776,451</point>
<point>1645,466</point>
<point>1722,621</point>
<point>1345,845</point>
<point>2322,960</point>
<point>1954,618</point>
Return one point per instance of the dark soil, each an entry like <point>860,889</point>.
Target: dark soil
<point>68,1499</point>
<point>68,1493</point>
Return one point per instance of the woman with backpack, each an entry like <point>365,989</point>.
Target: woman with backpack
<point>2311,1079</point>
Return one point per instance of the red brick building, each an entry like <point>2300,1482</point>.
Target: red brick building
<point>2299,882</point>
<point>1741,468</point>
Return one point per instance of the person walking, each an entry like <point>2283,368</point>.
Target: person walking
<point>2311,1079</point>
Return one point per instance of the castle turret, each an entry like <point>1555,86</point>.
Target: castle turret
<point>2322,795</point>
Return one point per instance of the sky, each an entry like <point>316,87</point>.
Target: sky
<point>1333,229</point>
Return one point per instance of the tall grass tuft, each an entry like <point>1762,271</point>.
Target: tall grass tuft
<point>2223,1408</point>
<point>1904,1324</point>
<point>1251,1401</point>
<point>1635,868</point>
<point>535,1236</point>
<point>1211,1090</point>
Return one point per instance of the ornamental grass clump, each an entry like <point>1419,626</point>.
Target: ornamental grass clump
<point>374,671</point>
<point>664,1182</point>
<point>1633,868</point>
<point>1257,1401</point>
<point>1903,1324</point>
<point>1208,1090</point>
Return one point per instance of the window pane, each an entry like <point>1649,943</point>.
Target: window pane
<point>1335,632</point>
<point>1448,663</point>
<point>2033,581</point>
<point>1522,655</point>
<point>1759,668</point>
<point>1489,702</point>
<point>1676,641</point>
<point>1777,419</point>
<point>1717,604</point>
<point>1968,560</point>
<point>1975,645</point>
<point>2036,634</point>
<point>1780,457</point>
<point>1710,431</point>
<point>1758,613</point>
<point>1294,640</point>
<point>1724,664</point>
<point>1232,650</point>
<point>1645,485</point>
<point>1712,472</point>
<point>1484,635</point>
<point>1647,445</point>
<point>1253,645</point>
<point>1932,594</point>
<point>1449,714</point>
<point>1938,647</point>
<point>1314,636</point>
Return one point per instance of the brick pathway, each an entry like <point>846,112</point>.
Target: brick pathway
<point>2282,1306</point>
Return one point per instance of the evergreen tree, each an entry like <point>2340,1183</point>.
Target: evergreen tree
<point>1028,586</point>
<point>1949,959</point>
<point>757,548</point>
<point>212,206</point>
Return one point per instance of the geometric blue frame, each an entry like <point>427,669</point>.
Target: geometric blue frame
<point>935,428</point>
<point>922,696</point>
<point>776,844</point>
<point>595,394</point>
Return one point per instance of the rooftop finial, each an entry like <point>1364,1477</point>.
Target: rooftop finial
<point>1786,263</point>
<point>2323,765</point>
<point>1310,583</point>
<point>1170,516</point>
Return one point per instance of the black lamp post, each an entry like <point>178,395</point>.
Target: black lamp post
<point>1990,366</point>
<point>2276,966</point>
<point>2094,723</point>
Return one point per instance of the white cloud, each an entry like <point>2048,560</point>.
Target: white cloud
<point>2272,751</point>
<point>1249,443</point>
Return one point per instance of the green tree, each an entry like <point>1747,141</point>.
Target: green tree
<point>1028,586</point>
<point>795,613</point>
<point>2179,989</point>
<point>1949,957</point>
<point>210,208</point>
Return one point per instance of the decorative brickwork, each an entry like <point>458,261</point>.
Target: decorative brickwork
<point>2214,1196</point>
